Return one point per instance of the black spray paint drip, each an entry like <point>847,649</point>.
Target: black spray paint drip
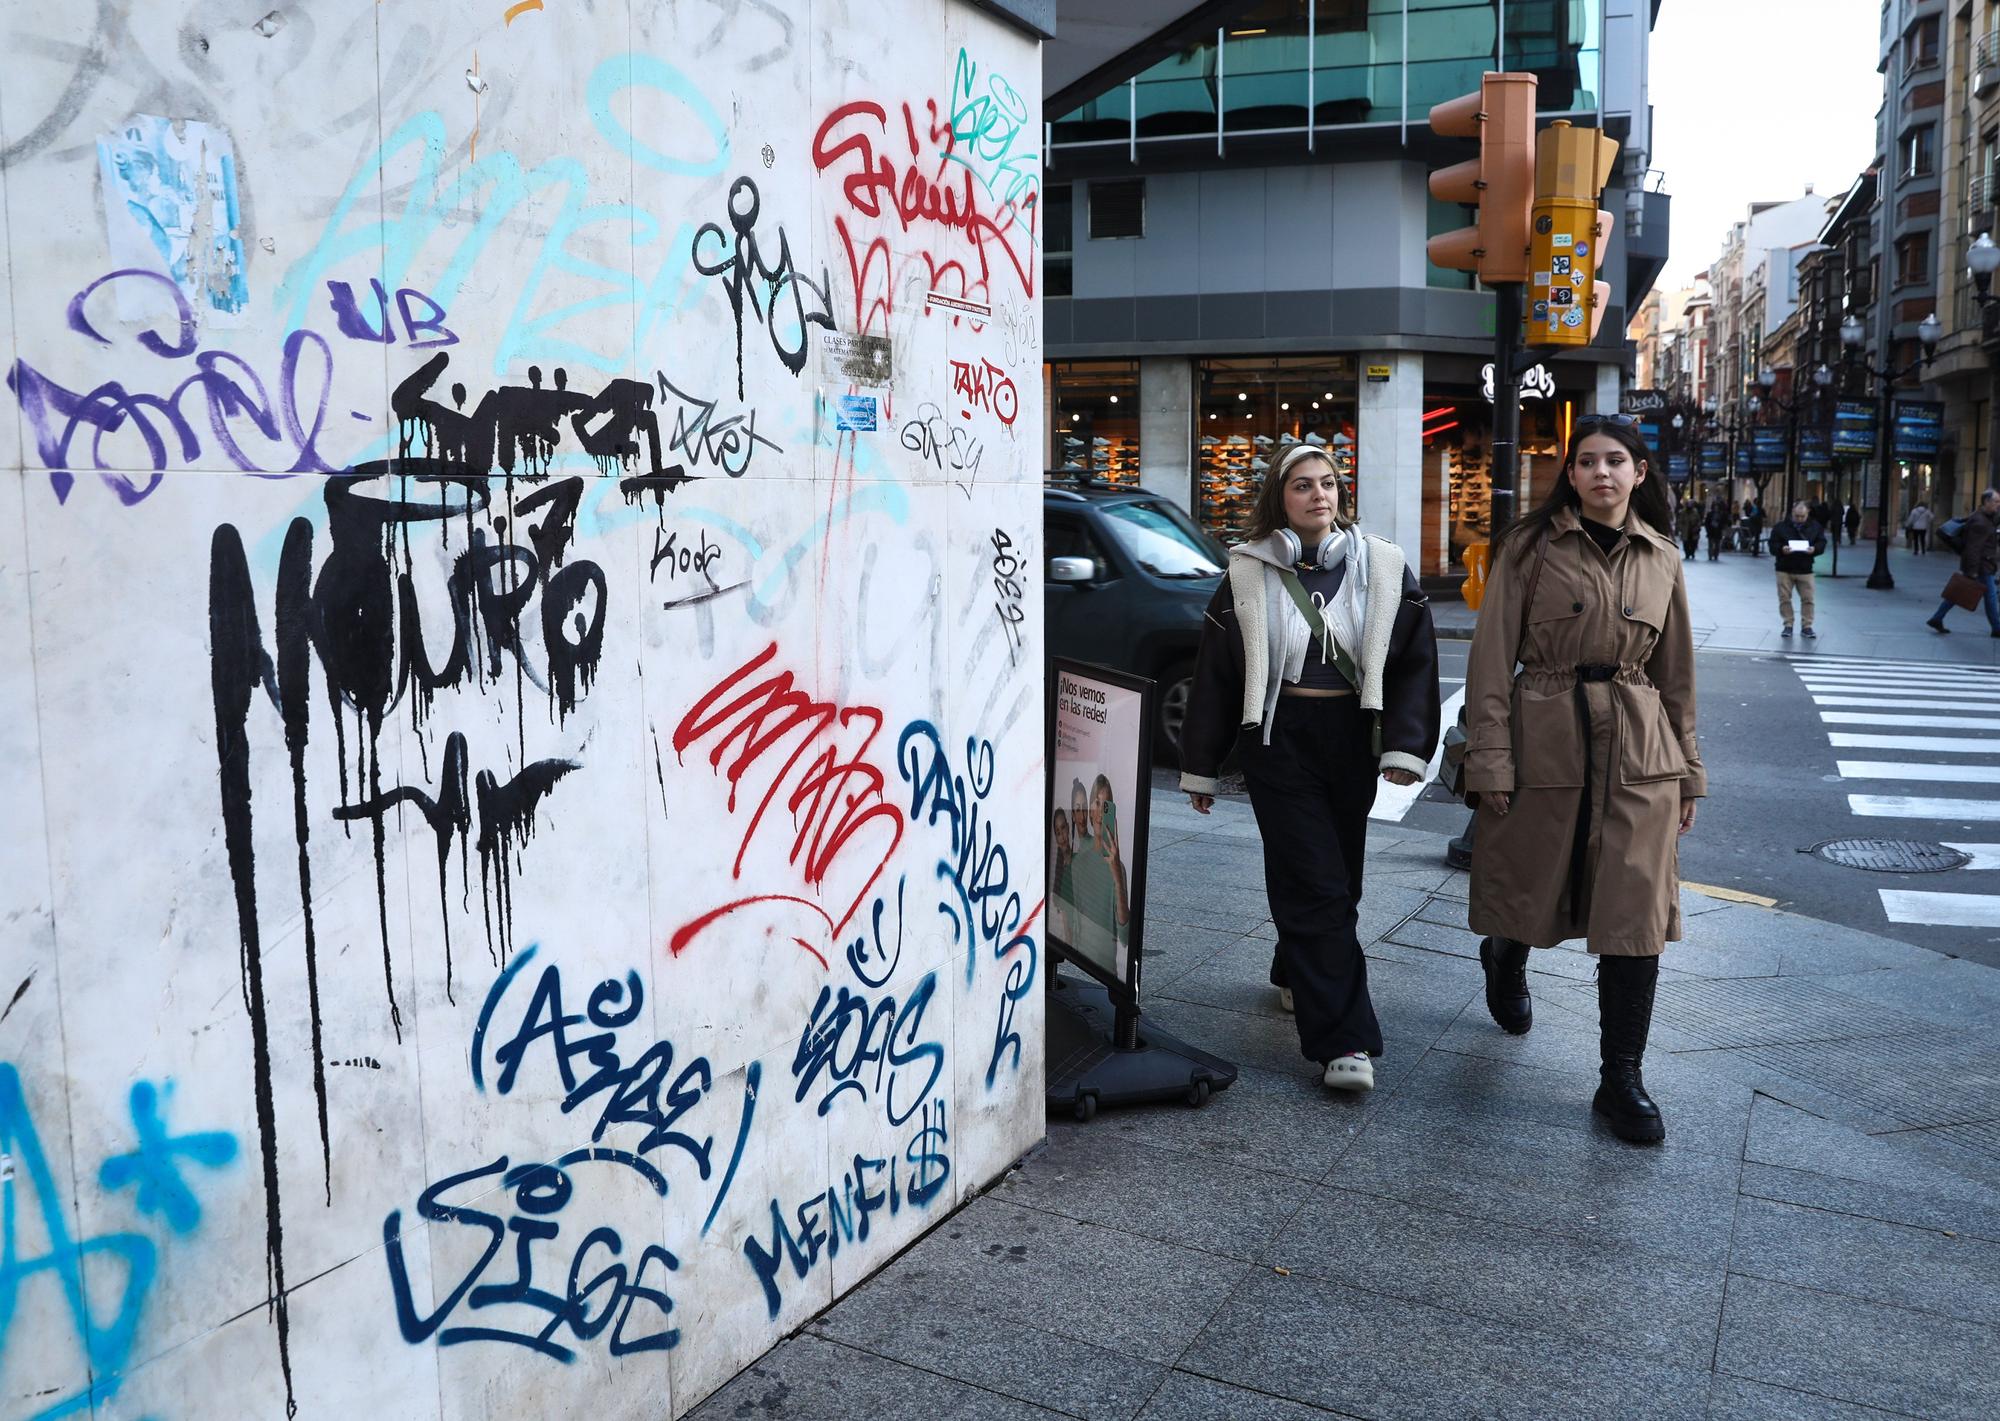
<point>236,665</point>
<point>506,822</point>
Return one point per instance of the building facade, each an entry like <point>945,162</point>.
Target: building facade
<point>1236,228</point>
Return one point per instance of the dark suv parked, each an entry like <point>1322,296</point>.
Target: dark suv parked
<point>1128,578</point>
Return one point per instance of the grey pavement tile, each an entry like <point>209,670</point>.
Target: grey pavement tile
<point>811,1379</point>
<point>1948,991</point>
<point>1917,1205</point>
<point>1130,1295</point>
<point>1215,919</point>
<point>1331,1345</point>
<point>1978,1138</point>
<point>1112,1179</point>
<point>1458,941</point>
<point>1695,904</point>
<point>1814,948</point>
<point>1271,1043</point>
<point>1415,1002</point>
<point>1382,908</point>
<point>1183,1397</point>
<point>1172,950</point>
<point>1927,1077</point>
<point>1867,1258</point>
<point>1458,885</point>
<point>1445,912</point>
<point>1637,1303</point>
<point>1766,1011</point>
<point>1564,1036</point>
<point>1734,1399</point>
<point>1428,879</point>
<point>1278,1122</point>
<point>1702,1112</point>
<point>1783,1136</point>
<point>1820,1343</point>
<point>1583,1182</point>
<point>1026,1363</point>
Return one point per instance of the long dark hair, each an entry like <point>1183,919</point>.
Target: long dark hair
<point>1649,499</point>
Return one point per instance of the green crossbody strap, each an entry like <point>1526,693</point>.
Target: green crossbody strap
<point>1342,662</point>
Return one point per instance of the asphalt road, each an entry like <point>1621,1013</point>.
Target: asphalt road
<point>1774,792</point>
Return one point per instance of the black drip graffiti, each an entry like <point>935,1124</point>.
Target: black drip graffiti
<point>361,619</point>
<point>744,271</point>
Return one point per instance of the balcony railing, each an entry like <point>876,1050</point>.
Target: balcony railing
<point>1982,195</point>
<point>1986,64</point>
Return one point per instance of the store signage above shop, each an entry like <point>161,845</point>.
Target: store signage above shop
<point>1767,451</point>
<point>1378,374</point>
<point>1815,450</point>
<point>1714,458</point>
<point>1679,466</point>
<point>1919,429</point>
<point>1854,427</point>
<point>1537,384</point>
<point>1643,401</point>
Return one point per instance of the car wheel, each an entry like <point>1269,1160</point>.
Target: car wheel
<point>1176,685</point>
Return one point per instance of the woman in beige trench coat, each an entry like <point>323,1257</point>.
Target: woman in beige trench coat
<point>1584,765</point>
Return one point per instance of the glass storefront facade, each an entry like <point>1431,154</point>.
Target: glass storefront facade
<point>1458,467</point>
<point>1313,65</point>
<point>1094,405</point>
<point>1250,412</point>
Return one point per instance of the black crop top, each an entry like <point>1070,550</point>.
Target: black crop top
<point>1320,584</point>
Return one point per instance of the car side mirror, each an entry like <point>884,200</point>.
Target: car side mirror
<point>1072,570</point>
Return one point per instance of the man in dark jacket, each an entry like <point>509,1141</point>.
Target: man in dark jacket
<point>1853,522</point>
<point>1794,544</point>
<point>1979,559</point>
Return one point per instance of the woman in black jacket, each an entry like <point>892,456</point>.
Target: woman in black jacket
<point>1319,643</point>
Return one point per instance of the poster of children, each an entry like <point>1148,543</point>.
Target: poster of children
<point>1095,820</point>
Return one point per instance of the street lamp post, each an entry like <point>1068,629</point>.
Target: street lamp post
<point>1768,378</point>
<point>1852,334</point>
<point>1983,260</point>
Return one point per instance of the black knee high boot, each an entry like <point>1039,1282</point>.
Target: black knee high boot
<point>1506,965</point>
<point>1624,1014</point>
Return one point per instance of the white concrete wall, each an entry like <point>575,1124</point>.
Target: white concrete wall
<point>1389,438</point>
<point>586,824</point>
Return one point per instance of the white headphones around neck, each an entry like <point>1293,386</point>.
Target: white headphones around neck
<point>1295,550</point>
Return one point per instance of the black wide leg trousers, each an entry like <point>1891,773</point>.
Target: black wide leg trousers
<point>1312,788</point>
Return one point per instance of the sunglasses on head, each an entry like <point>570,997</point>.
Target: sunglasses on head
<point>1624,421</point>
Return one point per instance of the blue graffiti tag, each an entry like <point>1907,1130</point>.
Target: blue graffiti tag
<point>983,906</point>
<point>123,1265</point>
<point>154,1168</point>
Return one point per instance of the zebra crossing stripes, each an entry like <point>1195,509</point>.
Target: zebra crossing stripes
<point>1918,785</point>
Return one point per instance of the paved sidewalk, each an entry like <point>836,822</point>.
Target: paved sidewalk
<point>1818,1238</point>
<point>1734,606</point>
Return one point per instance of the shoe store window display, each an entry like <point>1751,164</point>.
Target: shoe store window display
<point>1318,660</point>
<point>1589,748</point>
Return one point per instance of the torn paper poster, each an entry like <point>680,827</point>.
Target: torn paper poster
<point>171,205</point>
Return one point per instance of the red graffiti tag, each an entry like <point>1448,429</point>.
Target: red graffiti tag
<point>985,386</point>
<point>831,790</point>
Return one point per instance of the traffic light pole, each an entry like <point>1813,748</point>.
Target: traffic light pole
<point>1506,409</point>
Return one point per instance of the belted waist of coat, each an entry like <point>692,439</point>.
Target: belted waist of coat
<point>1561,678</point>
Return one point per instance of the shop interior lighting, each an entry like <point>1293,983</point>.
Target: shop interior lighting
<point>1241,395</point>
<point>1315,404</point>
<point>1239,34</point>
<point>1284,404</point>
<point>1114,399</point>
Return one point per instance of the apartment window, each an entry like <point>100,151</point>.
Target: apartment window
<point>1920,46</point>
<point>1057,259</point>
<point>1118,209</point>
<point>1913,259</point>
<point>1920,151</point>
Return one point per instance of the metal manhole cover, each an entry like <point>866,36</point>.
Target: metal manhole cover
<point>1890,855</point>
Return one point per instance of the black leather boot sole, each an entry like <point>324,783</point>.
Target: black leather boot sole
<point>1507,999</point>
<point>1635,1128</point>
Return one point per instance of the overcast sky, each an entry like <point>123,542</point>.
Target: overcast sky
<point>1752,100</point>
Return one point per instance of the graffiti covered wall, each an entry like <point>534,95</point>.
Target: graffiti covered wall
<point>519,688</point>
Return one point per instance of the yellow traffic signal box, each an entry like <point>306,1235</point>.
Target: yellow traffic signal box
<point>1566,302</point>
<point>1499,182</point>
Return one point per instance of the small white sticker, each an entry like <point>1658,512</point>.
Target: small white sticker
<point>1541,278</point>
<point>1561,239</point>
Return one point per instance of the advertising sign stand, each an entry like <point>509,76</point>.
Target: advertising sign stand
<point>1101,1049</point>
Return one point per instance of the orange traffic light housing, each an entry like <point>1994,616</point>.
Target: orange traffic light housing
<point>1566,301</point>
<point>1500,182</point>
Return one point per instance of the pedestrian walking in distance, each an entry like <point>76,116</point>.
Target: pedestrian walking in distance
<point>1853,523</point>
<point>1920,528</point>
<point>1318,650</point>
<point>1978,559</point>
<point>1584,763</point>
<point>1690,517</point>
<point>1717,523</point>
<point>1794,544</point>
